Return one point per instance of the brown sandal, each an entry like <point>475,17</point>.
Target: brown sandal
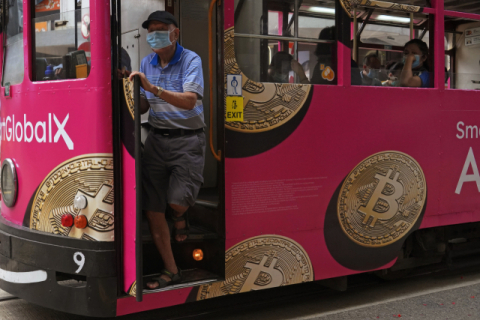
<point>162,283</point>
<point>184,231</point>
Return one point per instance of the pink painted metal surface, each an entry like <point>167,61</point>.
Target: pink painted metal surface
<point>129,220</point>
<point>86,103</point>
<point>344,125</point>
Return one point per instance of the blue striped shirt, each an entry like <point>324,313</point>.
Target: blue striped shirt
<point>182,74</point>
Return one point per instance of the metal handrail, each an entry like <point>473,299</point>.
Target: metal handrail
<point>138,191</point>
<point>216,154</point>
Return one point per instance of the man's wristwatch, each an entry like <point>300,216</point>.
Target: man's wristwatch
<point>159,92</point>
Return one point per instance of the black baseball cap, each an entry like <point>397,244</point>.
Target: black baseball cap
<point>162,16</point>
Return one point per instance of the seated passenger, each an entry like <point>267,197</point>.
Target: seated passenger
<point>371,73</point>
<point>325,58</point>
<point>280,67</point>
<point>394,72</point>
<point>415,71</point>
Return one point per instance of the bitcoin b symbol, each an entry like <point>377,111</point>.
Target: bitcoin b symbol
<point>256,269</point>
<point>372,209</point>
<point>261,262</point>
<point>382,199</point>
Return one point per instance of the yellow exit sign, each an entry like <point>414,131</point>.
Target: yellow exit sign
<point>234,109</point>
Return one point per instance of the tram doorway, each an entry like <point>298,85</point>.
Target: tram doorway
<point>206,217</point>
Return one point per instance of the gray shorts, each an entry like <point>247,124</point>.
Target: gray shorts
<point>172,170</point>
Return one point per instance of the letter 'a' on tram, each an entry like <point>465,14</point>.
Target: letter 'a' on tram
<point>310,173</point>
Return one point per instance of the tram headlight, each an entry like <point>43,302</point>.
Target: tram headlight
<point>9,183</point>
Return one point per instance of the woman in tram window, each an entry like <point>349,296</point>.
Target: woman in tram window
<point>415,71</point>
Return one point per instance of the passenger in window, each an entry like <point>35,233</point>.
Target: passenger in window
<point>280,67</point>
<point>324,71</point>
<point>371,73</point>
<point>415,71</point>
<point>394,72</point>
<point>172,90</point>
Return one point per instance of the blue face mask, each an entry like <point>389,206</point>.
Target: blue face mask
<point>159,39</point>
<point>396,83</point>
<point>372,74</point>
<point>416,63</point>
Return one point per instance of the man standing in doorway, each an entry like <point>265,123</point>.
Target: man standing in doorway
<point>174,154</point>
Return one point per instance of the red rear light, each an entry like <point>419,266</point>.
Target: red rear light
<point>67,220</point>
<point>81,222</point>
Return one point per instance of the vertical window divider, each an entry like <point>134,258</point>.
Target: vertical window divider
<point>439,45</point>
<point>343,27</point>
<point>295,24</point>
<point>4,39</point>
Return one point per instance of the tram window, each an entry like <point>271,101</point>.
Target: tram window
<point>61,40</point>
<point>14,63</point>
<point>380,46</point>
<point>462,52</point>
<point>271,45</point>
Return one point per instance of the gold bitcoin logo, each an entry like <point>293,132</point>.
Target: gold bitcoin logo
<point>381,199</point>
<point>261,263</point>
<point>90,176</point>
<point>129,99</point>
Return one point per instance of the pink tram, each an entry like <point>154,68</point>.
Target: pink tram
<point>312,175</point>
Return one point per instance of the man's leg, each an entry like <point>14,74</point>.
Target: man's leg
<point>178,212</point>
<point>161,238</point>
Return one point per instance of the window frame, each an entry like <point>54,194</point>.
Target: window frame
<point>4,25</point>
<point>296,38</point>
<point>451,53</point>
<point>33,42</point>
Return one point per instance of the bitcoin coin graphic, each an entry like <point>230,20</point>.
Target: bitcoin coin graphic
<point>382,199</point>
<point>258,263</point>
<point>128,93</point>
<point>133,289</point>
<point>266,105</point>
<point>90,176</point>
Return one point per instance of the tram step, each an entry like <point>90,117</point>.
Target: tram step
<point>191,277</point>
<point>207,204</point>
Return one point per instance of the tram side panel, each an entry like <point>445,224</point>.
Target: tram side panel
<point>351,182</point>
<point>337,177</point>
<point>459,176</point>
<point>58,135</point>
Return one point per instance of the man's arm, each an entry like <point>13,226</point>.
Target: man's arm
<point>144,105</point>
<point>183,100</point>
<point>407,79</point>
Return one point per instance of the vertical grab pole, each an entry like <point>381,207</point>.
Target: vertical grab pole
<point>411,27</point>
<point>295,44</point>
<point>138,191</point>
<point>216,154</point>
